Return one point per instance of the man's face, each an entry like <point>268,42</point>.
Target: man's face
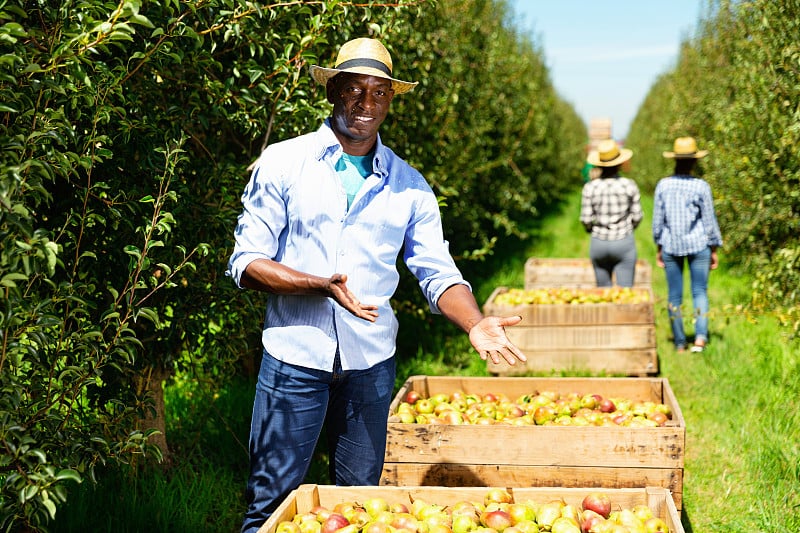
<point>360,105</point>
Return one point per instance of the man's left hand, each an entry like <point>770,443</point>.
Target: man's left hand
<point>489,339</point>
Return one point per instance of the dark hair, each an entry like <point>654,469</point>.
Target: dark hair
<point>609,172</point>
<point>684,166</point>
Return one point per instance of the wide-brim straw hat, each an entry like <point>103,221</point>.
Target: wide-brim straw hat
<point>608,154</point>
<point>685,148</point>
<point>363,56</point>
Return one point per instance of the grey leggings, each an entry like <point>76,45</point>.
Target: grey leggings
<point>613,257</point>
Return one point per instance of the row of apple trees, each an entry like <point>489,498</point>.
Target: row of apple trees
<point>736,87</point>
<point>127,130</point>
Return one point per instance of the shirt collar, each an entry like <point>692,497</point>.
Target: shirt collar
<point>329,147</point>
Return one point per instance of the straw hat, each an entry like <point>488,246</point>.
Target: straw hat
<point>363,56</point>
<point>685,148</point>
<point>608,154</point>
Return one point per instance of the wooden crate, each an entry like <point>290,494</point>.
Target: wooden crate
<point>603,338</point>
<point>306,497</point>
<point>555,272</point>
<point>537,456</point>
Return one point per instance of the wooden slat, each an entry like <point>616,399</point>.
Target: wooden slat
<point>574,272</point>
<point>472,475</point>
<point>612,361</point>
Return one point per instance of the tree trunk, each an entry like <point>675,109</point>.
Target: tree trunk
<point>152,383</point>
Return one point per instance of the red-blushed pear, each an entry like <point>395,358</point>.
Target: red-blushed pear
<point>498,519</point>
<point>398,507</point>
<point>562,524</point>
<point>350,528</point>
<point>658,417</point>
<point>452,417</point>
<point>405,521</point>
<point>343,508</point>
<point>321,512</point>
<point>464,507</point>
<point>287,526</point>
<point>656,525</point>
<point>599,502</point>
<point>589,519</point>
<point>607,406</point>
<point>412,396</point>
<point>520,512</point>
<point>497,495</point>
<point>544,413</point>
<point>333,523</point>
<point>377,527</point>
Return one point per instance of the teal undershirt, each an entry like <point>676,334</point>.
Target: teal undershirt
<point>353,170</point>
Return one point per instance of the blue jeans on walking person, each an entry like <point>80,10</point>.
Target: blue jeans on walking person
<point>699,268</point>
<point>292,404</point>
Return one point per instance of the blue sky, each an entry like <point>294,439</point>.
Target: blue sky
<point>603,57</point>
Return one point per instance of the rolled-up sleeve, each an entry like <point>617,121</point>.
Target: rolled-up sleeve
<point>261,221</point>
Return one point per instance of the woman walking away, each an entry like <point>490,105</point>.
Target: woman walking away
<point>685,230</point>
<point>610,211</point>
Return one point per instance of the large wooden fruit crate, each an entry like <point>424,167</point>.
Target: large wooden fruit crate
<point>598,338</point>
<point>537,456</point>
<point>306,497</point>
<point>568,272</point>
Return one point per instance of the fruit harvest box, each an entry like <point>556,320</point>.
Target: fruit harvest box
<point>308,497</point>
<point>558,272</point>
<point>537,455</point>
<point>599,338</point>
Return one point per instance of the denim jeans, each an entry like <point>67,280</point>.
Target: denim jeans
<point>291,405</point>
<point>699,267</point>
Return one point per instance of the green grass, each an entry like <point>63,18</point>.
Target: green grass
<point>740,400</point>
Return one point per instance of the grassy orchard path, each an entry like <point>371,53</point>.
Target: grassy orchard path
<point>740,398</point>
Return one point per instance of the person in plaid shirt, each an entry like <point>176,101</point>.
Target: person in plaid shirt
<point>610,211</point>
<point>686,230</point>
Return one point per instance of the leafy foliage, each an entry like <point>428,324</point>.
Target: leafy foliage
<point>127,130</point>
<point>736,89</point>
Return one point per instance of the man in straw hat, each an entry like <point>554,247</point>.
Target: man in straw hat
<point>325,218</point>
<point>610,211</point>
<point>685,230</point>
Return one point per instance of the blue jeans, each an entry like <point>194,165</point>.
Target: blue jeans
<point>291,405</point>
<point>699,267</point>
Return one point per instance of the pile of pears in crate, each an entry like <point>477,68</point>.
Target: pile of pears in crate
<point>539,408</point>
<point>497,513</point>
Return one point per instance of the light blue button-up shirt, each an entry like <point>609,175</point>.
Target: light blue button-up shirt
<point>684,221</point>
<point>295,212</point>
